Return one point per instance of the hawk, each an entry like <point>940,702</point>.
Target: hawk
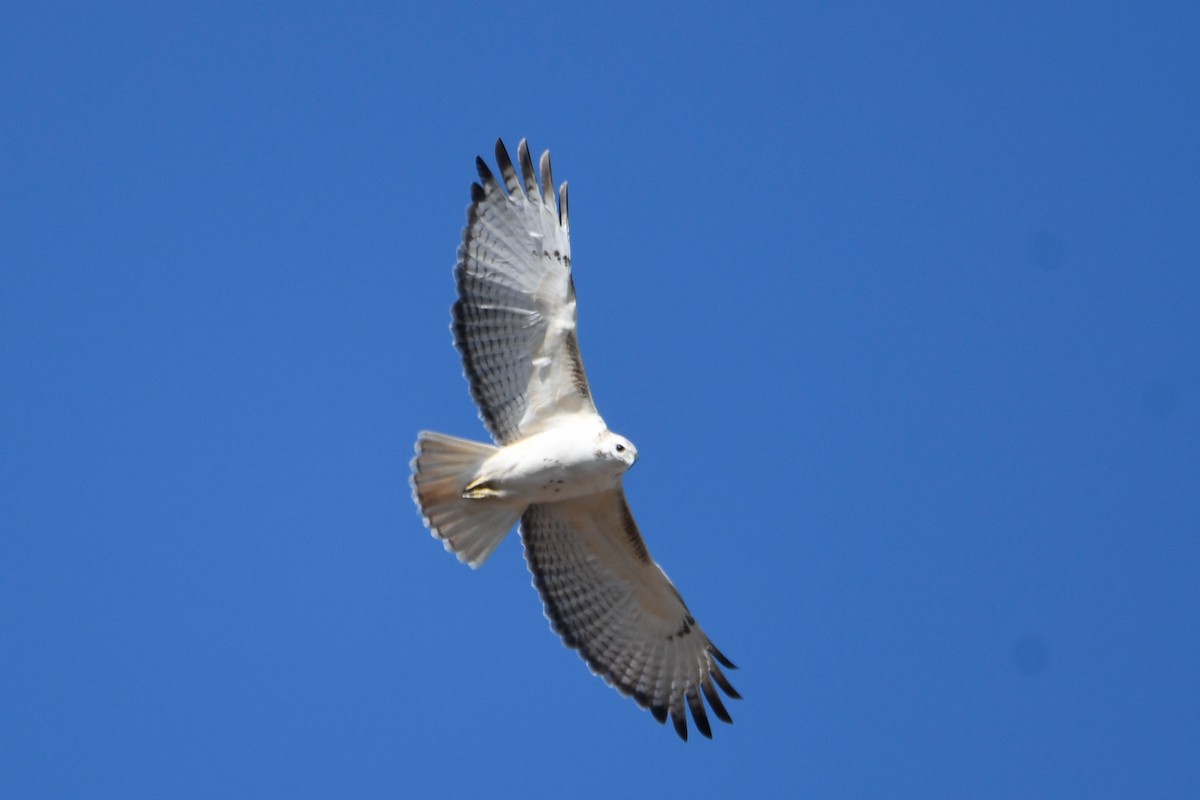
<point>555,467</point>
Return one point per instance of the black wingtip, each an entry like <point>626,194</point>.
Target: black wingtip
<point>698,714</point>
<point>504,162</point>
<point>714,700</point>
<point>680,719</point>
<point>549,196</point>
<point>724,683</point>
<point>721,657</point>
<point>485,172</point>
<point>527,171</point>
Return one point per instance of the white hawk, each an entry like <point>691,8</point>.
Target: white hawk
<point>556,467</point>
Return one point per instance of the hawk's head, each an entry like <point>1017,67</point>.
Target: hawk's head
<point>616,448</point>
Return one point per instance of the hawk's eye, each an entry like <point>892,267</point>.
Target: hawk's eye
<point>620,448</point>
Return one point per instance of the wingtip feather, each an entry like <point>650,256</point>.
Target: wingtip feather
<point>485,172</point>
<point>714,700</point>
<point>547,175</point>
<point>504,162</point>
<point>527,171</point>
<point>724,683</point>
<point>698,714</point>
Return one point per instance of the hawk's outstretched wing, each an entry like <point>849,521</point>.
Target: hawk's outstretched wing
<point>514,321</point>
<point>608,599</point>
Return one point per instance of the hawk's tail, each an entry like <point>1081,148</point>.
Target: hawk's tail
<point>471,528</point>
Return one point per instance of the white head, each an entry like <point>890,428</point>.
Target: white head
<point>616,448</point>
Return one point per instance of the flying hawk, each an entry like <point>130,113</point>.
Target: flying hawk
<point>556,466</point>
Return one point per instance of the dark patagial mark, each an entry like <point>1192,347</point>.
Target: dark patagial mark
<point>632,534</point>
<point>684,627</point>
<point>578,376</point>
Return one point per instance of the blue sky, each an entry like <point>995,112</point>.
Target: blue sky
<point>899,305</point>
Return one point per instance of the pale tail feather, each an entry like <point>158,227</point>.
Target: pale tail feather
<point>441,470</point>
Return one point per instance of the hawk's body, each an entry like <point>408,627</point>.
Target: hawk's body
<point>557,468</point>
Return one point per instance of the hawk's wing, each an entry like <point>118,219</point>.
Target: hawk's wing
<point>608,599</point>
<point>514,321</point>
